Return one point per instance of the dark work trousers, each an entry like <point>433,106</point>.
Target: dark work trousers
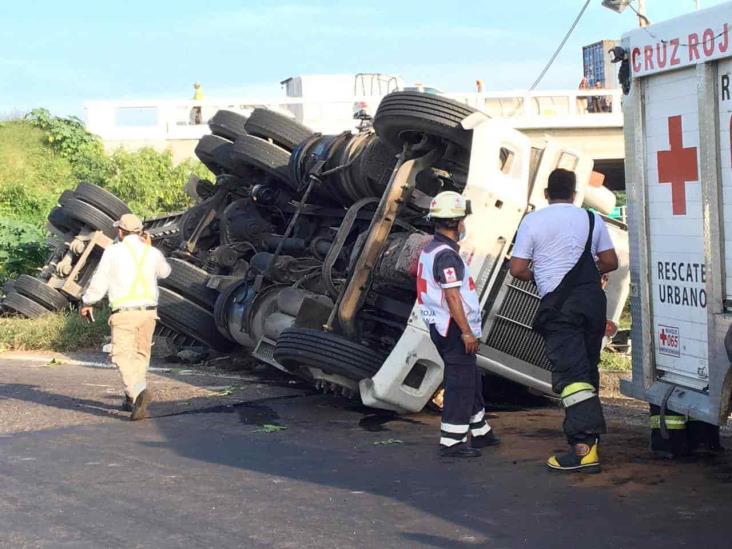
<point>573,340</point>
<point>463,409</point>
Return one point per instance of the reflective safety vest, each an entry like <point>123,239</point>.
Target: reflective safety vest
<point>139,290</point>
<point>672,422</point>
<point>431,298</point>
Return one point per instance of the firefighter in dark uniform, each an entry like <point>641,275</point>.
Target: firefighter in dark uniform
<point>569,250</point>
<point>450,307</point>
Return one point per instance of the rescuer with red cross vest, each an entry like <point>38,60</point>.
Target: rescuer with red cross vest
<point>450,308</point>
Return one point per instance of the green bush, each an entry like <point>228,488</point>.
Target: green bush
<point>23,248</point>
<point>146,179</point>
<point>67,136</point>
<point>42,155</point>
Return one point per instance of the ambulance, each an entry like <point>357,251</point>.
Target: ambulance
<point>678,162</point>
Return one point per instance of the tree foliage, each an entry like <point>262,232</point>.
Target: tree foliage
<point>42,155</point>
<point>67,136</point>
<point>22,248</point>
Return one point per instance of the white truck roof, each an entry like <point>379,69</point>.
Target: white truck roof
<point>679,174</point>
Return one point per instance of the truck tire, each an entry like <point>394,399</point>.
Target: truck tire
<point>403,113</point>
<point>24,305</point>
<point>214,152</point>
<point>250,151</point>
<point>282,130</point>
<point>330,352</point>
<point>101,199</point>
<point>89,215</point>
<point>40,292</point>
<point>183,316</point>
<point>190,282</point>
<point>58,219</point>
<point>66,196</point>
<point>228,124</point>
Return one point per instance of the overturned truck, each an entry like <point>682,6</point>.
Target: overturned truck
<point>303,251</point>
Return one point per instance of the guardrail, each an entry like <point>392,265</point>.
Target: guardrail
<point>133,120</point>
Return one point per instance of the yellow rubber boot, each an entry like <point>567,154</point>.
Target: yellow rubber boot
<point>582,458</point>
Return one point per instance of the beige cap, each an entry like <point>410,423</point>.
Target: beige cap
<point>130,223</point>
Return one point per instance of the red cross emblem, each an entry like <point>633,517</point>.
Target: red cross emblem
<point>677,166</point>
<point>663,337</point>
<point>421,284</point>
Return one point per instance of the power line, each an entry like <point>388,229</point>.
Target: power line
<point>640,15</point>
<point>561,45</point>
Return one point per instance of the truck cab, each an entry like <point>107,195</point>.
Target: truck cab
<point>506,178</point>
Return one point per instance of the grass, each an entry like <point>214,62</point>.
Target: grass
<point>615,362</point>
<point>31,174</point>
<point>63,332</point>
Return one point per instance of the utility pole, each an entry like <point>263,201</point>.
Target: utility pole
<point>642,19</point>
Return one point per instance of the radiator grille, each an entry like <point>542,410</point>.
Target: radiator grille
<point>510,332</point>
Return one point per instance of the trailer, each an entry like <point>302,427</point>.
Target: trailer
<point>678,115</point>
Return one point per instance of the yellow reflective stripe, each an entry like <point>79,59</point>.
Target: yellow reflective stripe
<point>138,289</point>
<point>672,422</point>
<point>573,388</point>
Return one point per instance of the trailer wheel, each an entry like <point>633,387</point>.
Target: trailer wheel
<point>24,305</point>
<point>214,151</point>
<point>58,219</point>
<point>405,116</point>
<point>254,152</point>
<point>101,199</point>
<point>330,352</point>
<point>228,124</point>
<point>89,215</point>
<point>40,292</point>
<point>190,282</point>
<point>282,130</point>
<point>183,316</point>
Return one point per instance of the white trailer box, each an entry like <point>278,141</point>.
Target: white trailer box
<point>679,178</point>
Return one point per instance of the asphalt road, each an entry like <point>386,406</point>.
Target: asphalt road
<point>254,460</point>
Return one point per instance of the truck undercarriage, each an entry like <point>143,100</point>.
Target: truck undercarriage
<point>303,251</point>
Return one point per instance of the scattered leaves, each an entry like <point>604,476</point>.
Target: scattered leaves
<point>270,428</point>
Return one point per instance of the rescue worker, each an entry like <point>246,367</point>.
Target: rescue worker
<point>570,249</point>
<point>450,307</point>
<point>128,273</point>
<point>196,110</point>
<point>197,92</point>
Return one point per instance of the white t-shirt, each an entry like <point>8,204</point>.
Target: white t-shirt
<point>554,239</point>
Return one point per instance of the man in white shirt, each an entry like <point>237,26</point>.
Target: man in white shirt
<point>570,249</point>
<point>128,273</point>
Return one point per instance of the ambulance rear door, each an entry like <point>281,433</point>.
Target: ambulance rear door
<point>677,122</point>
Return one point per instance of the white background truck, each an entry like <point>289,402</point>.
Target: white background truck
<point>679,172</point>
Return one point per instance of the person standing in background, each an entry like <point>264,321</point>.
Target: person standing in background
<point>196,112</point>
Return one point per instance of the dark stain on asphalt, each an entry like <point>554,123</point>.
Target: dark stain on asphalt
<point>376,423</point>
<point>253,412</point>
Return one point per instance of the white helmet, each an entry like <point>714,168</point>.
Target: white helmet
<point>449,205</point>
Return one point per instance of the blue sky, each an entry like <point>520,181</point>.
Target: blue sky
<point>59,54</point>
